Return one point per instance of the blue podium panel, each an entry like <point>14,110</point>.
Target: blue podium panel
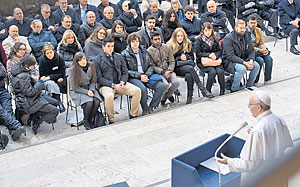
<point>187,171</point>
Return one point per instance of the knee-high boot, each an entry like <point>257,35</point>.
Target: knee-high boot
<point>204,91</point>
<point>60,104</point>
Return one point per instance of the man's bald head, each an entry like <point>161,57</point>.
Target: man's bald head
<point>18,14</point>
<point>13,31</point>
<point>211,6</point>
<point>91,17</point>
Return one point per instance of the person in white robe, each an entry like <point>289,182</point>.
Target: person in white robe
<point>266,142</point>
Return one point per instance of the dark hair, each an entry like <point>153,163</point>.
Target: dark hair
<point>167,31</point>
<point>209,26</point>
<point>66,16</point>
<point>28,60</point>
<point>150,16</point>
<point>15,49</point>
<point>107,40</point>
<point>75,70</point>
<point>134,36</point>
<point>115,24</point>
<point>94,35</point>
<point>189,8</point>
<point>252,17</point>
<point>153,34</point>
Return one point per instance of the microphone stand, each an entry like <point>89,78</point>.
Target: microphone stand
<point>242,126</point>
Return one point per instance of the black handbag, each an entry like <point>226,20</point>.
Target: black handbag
<point>99,120</point>
<point>185,62</point>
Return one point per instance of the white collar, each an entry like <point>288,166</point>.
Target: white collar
<point>265,113</point>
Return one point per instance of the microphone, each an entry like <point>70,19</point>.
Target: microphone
<point>241,127</point>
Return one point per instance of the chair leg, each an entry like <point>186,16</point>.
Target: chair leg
<point>128,104</point>
<point>67,111</point>
<point>286,44</point>
<point>52,126</point>
<point>76,117</point>
<point>121,100</point>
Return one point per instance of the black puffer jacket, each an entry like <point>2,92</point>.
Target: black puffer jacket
<point>132,63</point>
<point>54,68</point>
<point>27,90</point>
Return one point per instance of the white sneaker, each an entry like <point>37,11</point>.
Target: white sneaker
<point>268,82</point>
<point>256,84</point>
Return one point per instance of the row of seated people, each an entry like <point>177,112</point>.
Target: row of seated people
<point>132,72</point>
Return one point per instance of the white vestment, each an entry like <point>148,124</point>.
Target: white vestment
<point>267,141</point>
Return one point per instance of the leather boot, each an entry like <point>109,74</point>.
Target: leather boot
<point>204,91</point>
<point>189,98</point>
<point>87,125</point>
<point>60,104</point>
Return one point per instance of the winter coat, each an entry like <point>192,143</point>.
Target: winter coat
<point>131,24</point>
<point>146,41</point>
<point>77,13</point>
<point>104,69</point>
<point>80,95</point>
<point>107,23</point>
<point>92,49</point>
<point>134,5</point>
<point>101,7</point>
<point>120,44</point>
<point>54,68</point>
<point>9,42</point>
<point>160,13</point>
<point>59,32</point>
<point>67,52</point>
<point>27,91</point>
<point>287,14</point>
<point>132,63</point>
<point>162,58</point>
<point>233,53</point>
<point>5,34</point>
<point>192,28</point>
<point>203,50</point>
<point>37,41</point>
<point>168,30</point>
<point>59,14</point>
<point>217,19</point>
<point>85,31</point>
<point>24,28</point>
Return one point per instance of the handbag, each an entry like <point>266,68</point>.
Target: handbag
<point>185,62</point>
<point>153,80</point>
<point>99,120</point>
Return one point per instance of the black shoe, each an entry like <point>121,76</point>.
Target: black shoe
<point>36,125</point>
<point>15,135</point>
<point>189,100</point>
<point>163,102</point>
<point>131,117</point>
<point>177,92</point>
<point>61,107</point>
<point>283,35</point>
<point>111,122</point>
<point>207,94</point>
<point>87,125</point>
<point>3,141</point>
<point>171,99</point>
<point>294,50</point>
<point>222,93</point>
<point>276,35</point>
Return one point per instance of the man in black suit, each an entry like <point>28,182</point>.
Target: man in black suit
<point>289,12</point>
<point>22,23</point>
<point>49,21</point>
<point>63,10</point>
<point>66,24</point>
<point>104,4</point>
<point>81,9</point>
<point>153,9</point>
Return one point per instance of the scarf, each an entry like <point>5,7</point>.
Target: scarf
<point>120,36</point>
<point>209,41</point>
<point>71,48</point>
<point>172,25</point>
<point>86,67</point>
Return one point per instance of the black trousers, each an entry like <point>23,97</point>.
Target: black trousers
<point>271,16</point>
<point>190,75</point>
<point>294,34</point>
<point>212,73</point>
<point>49,111</point>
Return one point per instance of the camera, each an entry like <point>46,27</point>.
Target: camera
<point>129,6</point>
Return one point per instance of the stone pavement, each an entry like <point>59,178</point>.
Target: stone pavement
<point>139,151</point>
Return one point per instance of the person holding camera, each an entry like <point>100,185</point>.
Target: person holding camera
<point>132,21</point>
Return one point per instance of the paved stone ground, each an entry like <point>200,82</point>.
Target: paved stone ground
<point>139,151</point>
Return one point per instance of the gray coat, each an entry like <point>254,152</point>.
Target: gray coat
<point>146,41</point>
<point>80,95</point>
<point>85,31</point>
<point>92,49</point>
<point>67,56</point>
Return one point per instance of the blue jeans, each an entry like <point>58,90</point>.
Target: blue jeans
<point>159,90</point>
<point>240,70</point>
<point>268,67</point>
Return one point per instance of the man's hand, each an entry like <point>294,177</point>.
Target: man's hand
<point>144,78</point>
<point>183,57</point>
<point>250,64</point>
<point>219,4</point>
<point>2,31</point>
<point>261,2</point>
<point>108,31</point>
<point>196,37</point>
<point>213,56</point>
<point>167,74</point>
<point>9,17</point>
<point>70,6</point>
<point>120,87</point>
<point>160,19</point>
<point>247,65</point>
<point>133,12</point>
<point>90,93</point>
<point>295,23</point>
<point>44,78</point>
<point>16,39</point>
<point>265,51</point>
<point>60,80</point>
<point>224,159</point>
<point>51,28</point>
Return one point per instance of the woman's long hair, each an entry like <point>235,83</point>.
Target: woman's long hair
<point>94,35</point>
<point>75,70</point>
<point>209,26</point>
<point>15,48</point>
<point>168,16</point>
<point>115,24</point>
<point>66,35</point>
<point>175,46</point>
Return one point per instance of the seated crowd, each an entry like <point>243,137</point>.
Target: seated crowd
<point>99,53</point>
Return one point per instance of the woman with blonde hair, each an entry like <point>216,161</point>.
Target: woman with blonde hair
<point>184,58</point>
<point>176,5</point>
<point>93,45</point>
<point>68,47</point>
<point>208,52</point>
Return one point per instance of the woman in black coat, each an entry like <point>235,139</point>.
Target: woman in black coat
<point>29,96</point>
<point>184,57</point>
<point>118,33</point>
<point>208,54</point>
<point>170,23</point>
<point>52,68</point>
<point>83,80</point>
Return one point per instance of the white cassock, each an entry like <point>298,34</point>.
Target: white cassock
<point>267,141</point>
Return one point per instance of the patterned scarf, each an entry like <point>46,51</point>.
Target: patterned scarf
<point>209,41</point>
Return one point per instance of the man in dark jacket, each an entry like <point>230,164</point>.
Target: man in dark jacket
<point>22,23</point>
<point>112,75</point>
<point>133,5</point>
<point>66,24</point>
<point>3,32</point>
<point>217,18</point>
<point>153,10</point>
<point>146,31</point>
<point>7,117</point>
<point>239,55</point>
<point>289,12</point>
<point>49,21</point>
<point>109,18</point>
<point>131,19</point>
<point>82,9</point>
<point>63,10</point>
<point>140,69</point>
<point>191,24</point>
<point>87,28</point>
<point>228,6</point>
<point>103,5</point>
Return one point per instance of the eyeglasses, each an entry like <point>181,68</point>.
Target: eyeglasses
<point>103,33</point>
<point>22,49</point>
<point>47,12</point>
<point>249,104</point>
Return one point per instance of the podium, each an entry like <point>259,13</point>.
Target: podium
<point>187,171</point>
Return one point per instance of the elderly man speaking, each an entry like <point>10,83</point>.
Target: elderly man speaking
<point>267,140</point>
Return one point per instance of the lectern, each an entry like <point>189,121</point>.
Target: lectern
<point>187,171</point>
